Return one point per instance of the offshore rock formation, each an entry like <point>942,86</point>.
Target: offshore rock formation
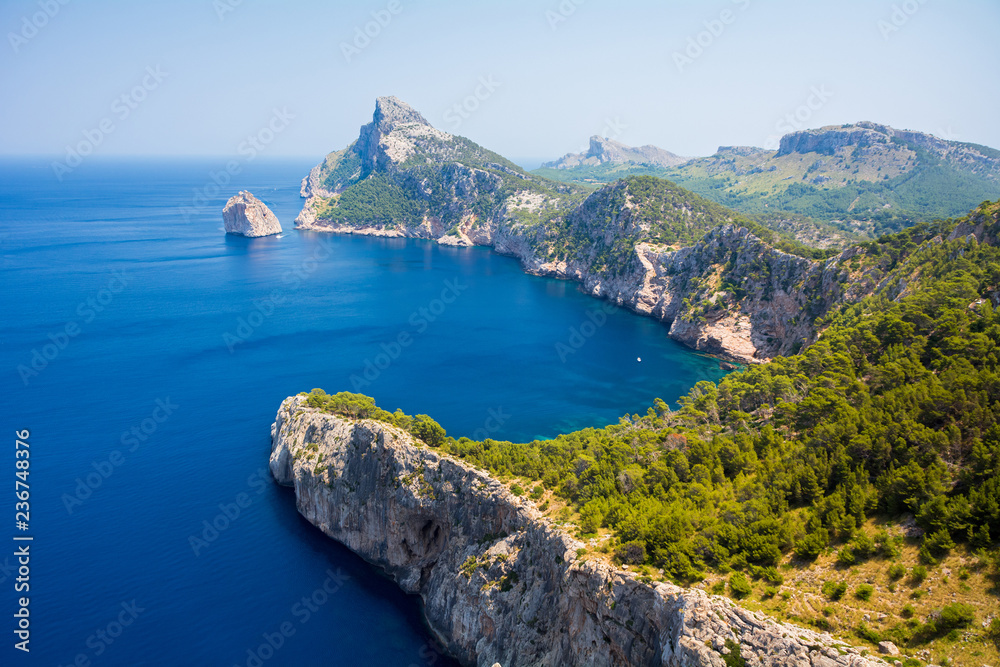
<point>246,215</point>
<point>603,150</point>
<point>499,583</point>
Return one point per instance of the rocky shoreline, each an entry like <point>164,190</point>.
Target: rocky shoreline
<point>775,318</point>
<point>499,582</point>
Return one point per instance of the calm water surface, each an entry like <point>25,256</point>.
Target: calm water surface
<point>154,351</point>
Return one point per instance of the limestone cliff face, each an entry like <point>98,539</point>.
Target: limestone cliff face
<point>499,582</point>
<point>875,137</point>
<point>444,181</point>
<point>729,294</point>
<point>246,215</point>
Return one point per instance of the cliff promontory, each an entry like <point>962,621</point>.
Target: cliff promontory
<point>498,581</point>
<point>724,284</point>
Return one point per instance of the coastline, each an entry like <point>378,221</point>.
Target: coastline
<point>729,340</point>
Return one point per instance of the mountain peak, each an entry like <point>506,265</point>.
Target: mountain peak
<point>391,111</point>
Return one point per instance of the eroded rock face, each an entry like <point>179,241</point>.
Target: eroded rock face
<point>867,135</point>
<point>500,584</point>
<point>246,215</point>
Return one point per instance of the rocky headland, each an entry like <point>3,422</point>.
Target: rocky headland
<point>645,244</point>
<point>499,582</point>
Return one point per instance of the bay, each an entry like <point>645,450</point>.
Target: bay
<point>147,353</point>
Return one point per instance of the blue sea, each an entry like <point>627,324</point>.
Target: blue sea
<point>147,352</point>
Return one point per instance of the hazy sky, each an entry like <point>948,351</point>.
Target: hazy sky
<point>200,76</point>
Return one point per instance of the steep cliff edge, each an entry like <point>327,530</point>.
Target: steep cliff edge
<point>498,582</point>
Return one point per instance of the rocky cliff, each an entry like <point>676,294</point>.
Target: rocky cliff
<point>498,581</point>
<point>407,178</point>
<point>246,215</point>
<point>649,246</point>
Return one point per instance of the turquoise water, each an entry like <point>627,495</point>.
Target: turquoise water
<point>147,353</point>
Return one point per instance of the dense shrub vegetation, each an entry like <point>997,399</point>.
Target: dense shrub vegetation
<point>644,209</point>
<point>359,406</point>
<point>892,411</point>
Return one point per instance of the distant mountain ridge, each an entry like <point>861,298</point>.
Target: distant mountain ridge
<point>867,177</point>
<point>865,134</point>
<point>604,150</point>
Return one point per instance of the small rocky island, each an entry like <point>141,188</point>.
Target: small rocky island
<point>246,215</point>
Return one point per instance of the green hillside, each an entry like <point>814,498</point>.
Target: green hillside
<point>866,179</point>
